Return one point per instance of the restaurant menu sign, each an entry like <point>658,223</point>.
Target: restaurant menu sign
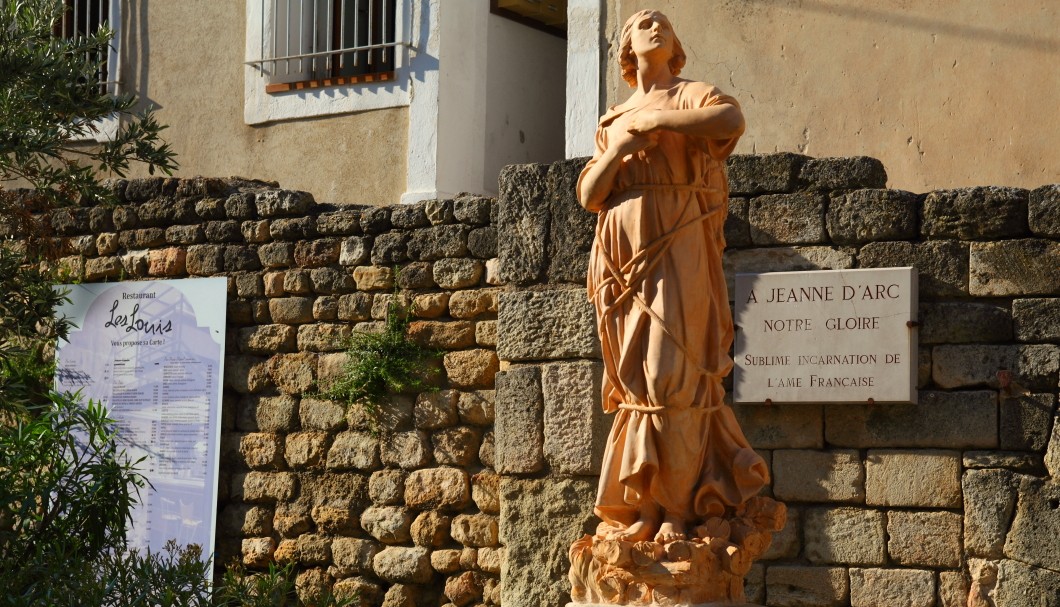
<point>829,336</point>
<point>152,353</point>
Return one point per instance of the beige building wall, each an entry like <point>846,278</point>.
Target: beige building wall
<point>187,58</point>
<point>947,93</point>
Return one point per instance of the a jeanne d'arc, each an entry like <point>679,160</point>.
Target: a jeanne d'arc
<point>676,455</point>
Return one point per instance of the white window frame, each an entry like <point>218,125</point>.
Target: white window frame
<point>260,107</point>
<point>107,127</point>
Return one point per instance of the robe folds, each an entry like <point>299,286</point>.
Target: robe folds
<point>662,307</point>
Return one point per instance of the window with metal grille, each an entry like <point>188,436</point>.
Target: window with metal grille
<point>83,18</point>
<point>308,43</point>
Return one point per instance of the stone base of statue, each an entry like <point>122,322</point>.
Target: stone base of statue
<point>706,569</point>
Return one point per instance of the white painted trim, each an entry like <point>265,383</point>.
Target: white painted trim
<point>260,107</point>
<point>421,182</point>
<point>584,39</point>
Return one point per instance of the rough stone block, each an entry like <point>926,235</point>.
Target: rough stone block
<point>1019,584</point>
<point>474,210</point>
<point>539,520</point>
<point>472,304</point>
<point>787,427</point>
<point>519,432</point>
<point>482,242</point>
<point>277,203</point>
<point>293,373</point>
<point>524,217</point>
<point>919,479</point>
<point>485,491</point>
<point>953,589</point>
<point>551,324</point>
<point>1032,538</point>
<point>387,487</point>
<point>291,310</point>
<point>575,427</point>
<point>406,450</point>
<point>306,449</point>
<point>390,248</point>
<point>458,273</point>
<point>955,420</point>
<point>850,536</point>
<point>339,223</point>
<point>571,227</point>
<point>373,278</point>
<point>457,446</point>
<point>431,529</point>
<point>475,530</point>
<point>785,259</point>
<point>975,213</point>
<point>448,335</point>
<point>438,488</point>
<point>319,414</point>
<point>477,408</point>
<point>890,587</point>
<point>964,322</point>
<point>1025,421</point>
<point>1033,367</point>
<point>264,486</point>
<point>436,410</point>
<point>989,501</point>
<point>404,565</point>
<point>1037,320</point>
<point>843,173</point>
<point>262,451</point>
<point>202,260</point>
<point>737,228</point>
<point>354,450</point>
<point>267,339</point>
<point>471,368</point>
<point>818,476</point>
<point>388,524</point>
<point>486,333</point>
<point>787,219</point>
<point>763,173</point>
<point>317,253</point>
<point>1014,267</point>
<point>437,242</point>
<point>926,539</point>
<point>799,586</point>
<point>406,216</point>
<point>786,544</point>
<point>1043,211</point>
<point>223,231</point>
<point>439,211</point>
<point>1017,461</point>
<point>942,265</point>
<point>871,215</point>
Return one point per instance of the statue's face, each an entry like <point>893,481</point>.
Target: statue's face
<point>652,34</point>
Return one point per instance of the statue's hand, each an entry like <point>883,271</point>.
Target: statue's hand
<point>644,123</point>
<point>629,143</point>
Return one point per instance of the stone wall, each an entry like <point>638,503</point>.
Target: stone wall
<point>889,504</point>
<point>492,477</point>
<point>401,513</point>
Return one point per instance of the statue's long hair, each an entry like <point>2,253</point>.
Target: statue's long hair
<point>627,61</point>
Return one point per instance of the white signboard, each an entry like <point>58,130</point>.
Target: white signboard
<point>828,336</point>
<point>152,353</point>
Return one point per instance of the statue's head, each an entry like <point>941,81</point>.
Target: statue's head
<point>627,59</point>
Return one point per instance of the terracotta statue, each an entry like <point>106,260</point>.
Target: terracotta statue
<point>677,465</point>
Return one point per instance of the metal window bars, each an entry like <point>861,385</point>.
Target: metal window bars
<point>83,18</point>
<point>303,40</point>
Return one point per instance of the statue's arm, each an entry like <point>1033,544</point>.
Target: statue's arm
<point>598,179</point>
<point>722,121</point>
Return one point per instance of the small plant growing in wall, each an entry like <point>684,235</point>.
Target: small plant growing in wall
<point>383,363</point>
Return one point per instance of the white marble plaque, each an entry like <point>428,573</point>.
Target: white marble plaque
<point>830,336</point>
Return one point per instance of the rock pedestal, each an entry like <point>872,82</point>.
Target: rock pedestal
<point>706,569</point>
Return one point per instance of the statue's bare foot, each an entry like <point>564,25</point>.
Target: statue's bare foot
<point>671,530</point>
<point>637,532</point>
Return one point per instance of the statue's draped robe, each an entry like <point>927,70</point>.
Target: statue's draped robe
<point>655,277</point>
